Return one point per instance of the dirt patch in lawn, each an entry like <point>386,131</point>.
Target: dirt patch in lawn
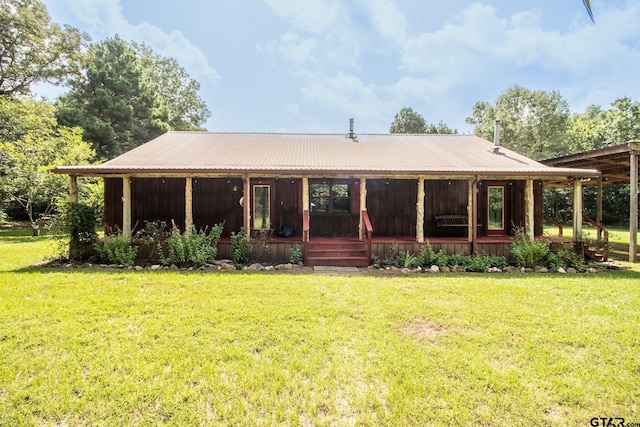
<point>424,330</point>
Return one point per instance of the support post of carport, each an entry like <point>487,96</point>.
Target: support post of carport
<point>633,211</point>
<point>420,211</point>
<point>73,189</point>
<point>188,205</point>
<point>599,206</point>
<point>577,210</point>
<point>126,206</point>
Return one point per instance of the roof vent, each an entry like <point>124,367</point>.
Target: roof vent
<point>496,137</point>
<point>352,134</point>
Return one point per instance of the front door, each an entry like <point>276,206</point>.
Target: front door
<point>261,206</point>
<point>330,203</point>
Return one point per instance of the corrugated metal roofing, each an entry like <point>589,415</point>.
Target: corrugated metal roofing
<point>281,152</point>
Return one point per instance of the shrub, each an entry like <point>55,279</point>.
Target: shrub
<point>564,258</point>
<point>116,249</point>
<point>240,247</point>
<point>197,248</point>
<point>77,225</point>
<point>295,254</point>
<point>526,252</point>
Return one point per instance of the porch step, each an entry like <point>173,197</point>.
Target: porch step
<point>336,252</point>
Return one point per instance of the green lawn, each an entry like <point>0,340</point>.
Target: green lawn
<point>81,347</point>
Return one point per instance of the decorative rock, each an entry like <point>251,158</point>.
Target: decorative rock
<point>227,267</point>
<point>393,268</point>
<point>540,269</point>
<point>255,267</point>
<point>494,270</point>
<point>287,266</point>
<point>445,269</point>
<point>434,269</point>
<point>69,265</point>
<point>173,267</point>
<point>459,269</point>
<point>511,269</point>
<point>155,267</point>
<point>406,270</point>
<point>561,270</point>
<point>592,270</point>
<point>529,270</point>
<point>269,268</point>
<point>571,270</point>
<point>222,261</point>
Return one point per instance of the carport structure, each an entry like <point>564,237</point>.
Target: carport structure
<point>618,164</point>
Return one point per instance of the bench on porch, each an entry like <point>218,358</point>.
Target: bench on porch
<point>452,220</point>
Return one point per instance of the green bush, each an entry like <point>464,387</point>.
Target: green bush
<point>116,249</point>
<point>565,258</point>
<point>526,252</point>
<point>240,247</point>
<point>197,248</point>
<point>295,254</point>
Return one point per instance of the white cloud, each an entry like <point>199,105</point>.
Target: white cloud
<point>295,48</point>
<point>314,16</point>
<point>104,18</point>
<point>388,21</point>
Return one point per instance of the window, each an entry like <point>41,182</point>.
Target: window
<point>330,197</point>
<point>496,208</point>
<point>261,207</point>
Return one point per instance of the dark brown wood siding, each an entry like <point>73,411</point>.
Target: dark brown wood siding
<point>112,204</point>
<point>444,198</point>
<point>391,205</point>
<point>538,201</point>
<point>216,201</point>
<point>288,205</point>
<point>157,199</point>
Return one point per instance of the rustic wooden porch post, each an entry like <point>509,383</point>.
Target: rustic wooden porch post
<point>420,211</point>
<point>528,213</point>
<point>473,226</point>
<point>246,204</point>
<point>633,211</point>
<point>305,208</point>
<point>73,189</point>
<point>470,209</point>
<point>126,206</point>
<point>577,210</point>
<point>188,205</point>
<point>363,206</point>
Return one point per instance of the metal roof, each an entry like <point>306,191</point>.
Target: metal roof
<point>613,162</point>
<point>313,154</point>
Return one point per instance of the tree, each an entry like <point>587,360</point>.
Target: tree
<point>533,123</point>
<point>129,95</point>
<point>33,49</point>
<point>176,99</point>
<point>30,148</point>
<point>409,121</point>
<point>109,101</point>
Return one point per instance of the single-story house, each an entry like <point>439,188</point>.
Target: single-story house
<point>343,197</point>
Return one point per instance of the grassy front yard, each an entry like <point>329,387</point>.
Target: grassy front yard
<point>88,347</point>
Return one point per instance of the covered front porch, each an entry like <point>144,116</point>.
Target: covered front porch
<point>367,214</point>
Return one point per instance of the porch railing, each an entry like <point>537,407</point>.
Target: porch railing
<point>601,231</point>
<point>554,222</point>
<point>368,232</point>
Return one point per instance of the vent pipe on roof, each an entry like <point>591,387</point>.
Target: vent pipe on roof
<point>496,137</point>
<point>352,134</point>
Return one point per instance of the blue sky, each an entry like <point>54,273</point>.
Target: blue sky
<point>308,66</point>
